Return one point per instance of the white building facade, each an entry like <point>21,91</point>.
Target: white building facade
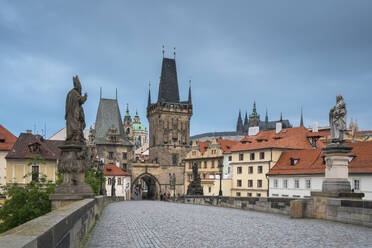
<point>122,182</point>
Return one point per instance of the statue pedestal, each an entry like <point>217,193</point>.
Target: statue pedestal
<point>72,164</point>
<point>336,172</point>
<point>195,187</point>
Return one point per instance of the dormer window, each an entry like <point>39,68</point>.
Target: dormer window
<point>294,161</point>
<point>35,147</point>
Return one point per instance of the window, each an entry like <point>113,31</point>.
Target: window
<point>230,158</point>
<point>356,184</point>
<point>239,170</point>
<point>275,183</point>
<point>194,153</point>
<point>111,155</point>
<point>241,157</point>
<point>252,156</point>
<point>296,196</point>
<point>190,165</point>
<point>109,181</point>
<point>214,152</point>
<point>250,169</point>
<point>297,183</point>
<point>285,183</point>
<point>119,181</point>
<point>294,161</point>
<point>219,163</point>
<point>238,194</point>
<point>228,170</point>
<point>250,183</point>
<point>262,155</point>
<point>249,194</point>
<point>212,166</point>
<point>204,175</point>
<point>239,183</point>
<point>125,167</point>
<point>175,159</point>
<point>259,169</point>
<point>199,165</point>
<point>258,194</point>
<point>308,183</point>
<point>209,189</point>
<point>259,183</point>
<point>35,172</point>
<point>205,164</point>
<point>124,155</point>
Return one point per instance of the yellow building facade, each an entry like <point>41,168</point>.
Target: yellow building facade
<point>25,148</point>
<point>209,157</point>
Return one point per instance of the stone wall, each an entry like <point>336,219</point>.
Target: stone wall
<point>263,204</point>
<point>64,227</point>
<point>350,211</point>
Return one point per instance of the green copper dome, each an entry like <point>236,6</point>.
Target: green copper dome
<point>138,127</point>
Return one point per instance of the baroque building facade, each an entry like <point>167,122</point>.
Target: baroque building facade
<point>169,139</point>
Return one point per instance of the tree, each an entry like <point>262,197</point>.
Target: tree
<point>27,202</point>
<point>93,177</point>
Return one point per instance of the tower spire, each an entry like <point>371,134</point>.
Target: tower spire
<point>239,125</point>
<point>266,117</point>
<point>190,92</point>
<point>149,97</point>
<point>281,117</point>
<point>302,119</point>
<point>168,87</point>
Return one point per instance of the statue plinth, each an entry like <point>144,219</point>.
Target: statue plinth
<point>337,171</point>
<point>73,164</point>
<point>195,187</point>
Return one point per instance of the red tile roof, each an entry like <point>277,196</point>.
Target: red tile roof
<point>7,139</point>
<point>226,145</point>
<point>48,148</point>
<point>289,138</point>
<point>202,146</point>
<point>311,161</point>
<point>113,170</point>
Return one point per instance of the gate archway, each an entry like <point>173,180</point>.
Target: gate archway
<point>146,187</point>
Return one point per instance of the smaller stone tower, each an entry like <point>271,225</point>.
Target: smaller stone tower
<point>128,123</point>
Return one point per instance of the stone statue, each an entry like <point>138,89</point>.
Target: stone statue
<point>113,182</point>
<point>195,187</point>
<point>75,119</point>
<point>337,120</point>
<point>195,169</point>
<point>75,158</point>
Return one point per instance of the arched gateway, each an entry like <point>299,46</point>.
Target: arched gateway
<point>146,187</point>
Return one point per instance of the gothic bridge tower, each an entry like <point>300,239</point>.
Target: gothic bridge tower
<point>169,119</point>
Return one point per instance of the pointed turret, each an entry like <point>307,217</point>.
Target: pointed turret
<point>149,98</point>
<point>246,123</point>
<point>281,117</point>
<point>302,119</point>
<point>168,87</point>
<point>136,118</point>
<point>239,125</point>
<point>127,116</point>
<point>190,102</point>
<point>266,118</point>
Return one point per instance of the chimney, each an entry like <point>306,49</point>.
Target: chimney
<point>278,127</point>
<point>315,127</point>
<point>29,131</point>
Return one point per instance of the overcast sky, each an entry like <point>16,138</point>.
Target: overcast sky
<point>283,54</point>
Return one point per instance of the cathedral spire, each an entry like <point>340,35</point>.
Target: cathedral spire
<point>266,117</point>
<point>302,119</point>
<point>246,123</point>
<point>190,102</point>
<point>239,125</point>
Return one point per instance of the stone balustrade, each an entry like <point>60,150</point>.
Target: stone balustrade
<point>64,227</point>
<point>352,211</point>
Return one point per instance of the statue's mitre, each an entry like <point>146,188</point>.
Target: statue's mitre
<point>76,82</point>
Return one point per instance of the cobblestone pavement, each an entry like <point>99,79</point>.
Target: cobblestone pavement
<point>163,224</point>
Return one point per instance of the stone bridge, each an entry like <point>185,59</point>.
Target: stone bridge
<point>166,224</point>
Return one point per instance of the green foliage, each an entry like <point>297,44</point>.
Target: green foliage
<point>93,177</point>
<point>25,203</point>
